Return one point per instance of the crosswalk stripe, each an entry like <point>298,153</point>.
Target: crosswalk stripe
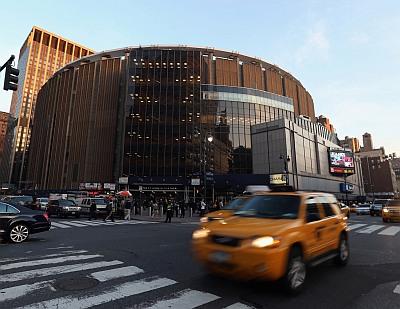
<point>42,256</point>
<point>89,223</point>
<point>186,299</point>
<point>49,261</point>
<point>369,229</point>
<point>60,225</point>
<point>238,306</point>
<point>43,272</point>
<point>22,290</point>
<point>72,223</point>
<point>18,291</point>
<point>116,273</point>
<point>102,297</point>
<point>391,231</point>
<point>355,226</point>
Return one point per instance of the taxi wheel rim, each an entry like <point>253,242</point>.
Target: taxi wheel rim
<point>344,252</point>
<point>297,272</point>
<point>19,233</point>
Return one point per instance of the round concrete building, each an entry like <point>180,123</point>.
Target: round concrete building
<point>170,118</point>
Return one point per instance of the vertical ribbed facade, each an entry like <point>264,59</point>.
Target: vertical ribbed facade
<point>41,55</point>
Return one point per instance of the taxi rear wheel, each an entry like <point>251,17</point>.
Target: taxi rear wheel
<point>343,252</point>
<point>296,272</point>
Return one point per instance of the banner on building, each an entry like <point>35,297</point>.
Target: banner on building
<point>277,179</point>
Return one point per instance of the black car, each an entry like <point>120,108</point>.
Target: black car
<point>23,200</point>
<point>18,222</point>
<point>63,208</point>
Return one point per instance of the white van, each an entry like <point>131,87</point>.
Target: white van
<point>84,203</point>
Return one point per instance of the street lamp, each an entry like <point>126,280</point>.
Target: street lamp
<point>208,139</point>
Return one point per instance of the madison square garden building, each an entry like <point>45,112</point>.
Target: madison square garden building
<point>167,117</point>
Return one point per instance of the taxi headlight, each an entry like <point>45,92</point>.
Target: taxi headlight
<point>66,208</point>
<point>198,234</point>
<point>204,219</point>
<point>266,241</point>
<point>385,210</point>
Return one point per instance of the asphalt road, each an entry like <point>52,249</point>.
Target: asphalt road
<point>141,264</point>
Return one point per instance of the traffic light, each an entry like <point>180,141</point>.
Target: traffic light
<point>11,78</point>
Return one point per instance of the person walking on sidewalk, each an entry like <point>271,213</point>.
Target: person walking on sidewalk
<point>110,213</point>
<point>170,211</point>
<point>182,208</point>
<point>128,207</point>
<point>156,209</point>
<point>202,208</point>
<point>92,213</point>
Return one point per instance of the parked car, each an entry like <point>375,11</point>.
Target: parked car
<point>63,208</point>
<point>391,211</point>
<point>42,201</point>
<point>18,222</point>
<point>362,209</point>
<point>22,200</point>
<point>275,236</point>
<point>101,205</point>
<point>377,205</point>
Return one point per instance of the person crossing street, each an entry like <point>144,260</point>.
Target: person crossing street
<point>110,213</point>
<point>128,207</point>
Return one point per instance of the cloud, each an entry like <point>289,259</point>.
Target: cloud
<point>359,38</point>
<point>315,45</point>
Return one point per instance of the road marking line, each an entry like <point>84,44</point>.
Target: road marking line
<point>57,248</point>
<point>60,225</point>
<point>238,306</point>
<point>391,231</point>
<point>49,261</point>
<point>72,223</point>
<point>87,223</point>
<point>397,289</point>
<point>185,299</point>
<point>370,229</point>
<point>15,292</point>
<point>355,226</point>
<point>103,297</point>
<point>22,290</point>
<point>116,273</point>
<point>43,256</point>
<point>50,271</point>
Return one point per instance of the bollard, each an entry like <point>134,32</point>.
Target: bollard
<point>161,211</point>
<point>141,210</point>
<point>150,211</point>
<point>191,212</point>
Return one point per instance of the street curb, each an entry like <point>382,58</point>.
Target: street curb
<point>162,221</point>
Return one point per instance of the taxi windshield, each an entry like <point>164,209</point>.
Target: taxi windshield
<point>271,206</point>
<point>235,204</point>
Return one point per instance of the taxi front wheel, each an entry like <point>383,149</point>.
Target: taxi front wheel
<point>296,272</point>
<point>343,251</point>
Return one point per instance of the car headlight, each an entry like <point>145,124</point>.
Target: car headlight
<point>204,219</point>
<point>66,208</point>
<point>266,241</point>
<point>385,210</point>
<point>198,234</point>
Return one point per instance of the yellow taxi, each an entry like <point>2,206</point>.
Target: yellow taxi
<point>226,211</point>
<point>235,205</point>
<point>275,236</point>
<point>391,212</point>
<point>345,209</point>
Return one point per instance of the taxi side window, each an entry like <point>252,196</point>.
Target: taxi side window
<point>312,211</point>
<point>324,201</point>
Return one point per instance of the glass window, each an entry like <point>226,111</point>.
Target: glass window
<point>272,206</point>
<point>313,210</point>
<point>328,210</point>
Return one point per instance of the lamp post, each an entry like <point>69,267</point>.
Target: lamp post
<point>208,139</point>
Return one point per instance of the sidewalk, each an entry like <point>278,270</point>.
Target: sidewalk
<point>188,220</point>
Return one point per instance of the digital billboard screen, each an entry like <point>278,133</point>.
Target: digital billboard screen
<point>341,162</point>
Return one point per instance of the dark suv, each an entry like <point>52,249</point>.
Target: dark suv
<point>63,208</point>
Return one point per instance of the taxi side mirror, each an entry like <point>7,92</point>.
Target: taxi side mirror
<point>312,217</point>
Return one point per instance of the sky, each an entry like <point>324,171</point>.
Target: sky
<point>345,53</point>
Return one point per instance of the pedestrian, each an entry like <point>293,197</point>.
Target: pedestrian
<point>182,206</point>
<point>92,213</point>
<point>110,213</point>
<point>169,212</point>
<point>202,208</point>
<point>176,208</point>
<point>220,205</point>
<point>128,207</point>
<point>156,210</point>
